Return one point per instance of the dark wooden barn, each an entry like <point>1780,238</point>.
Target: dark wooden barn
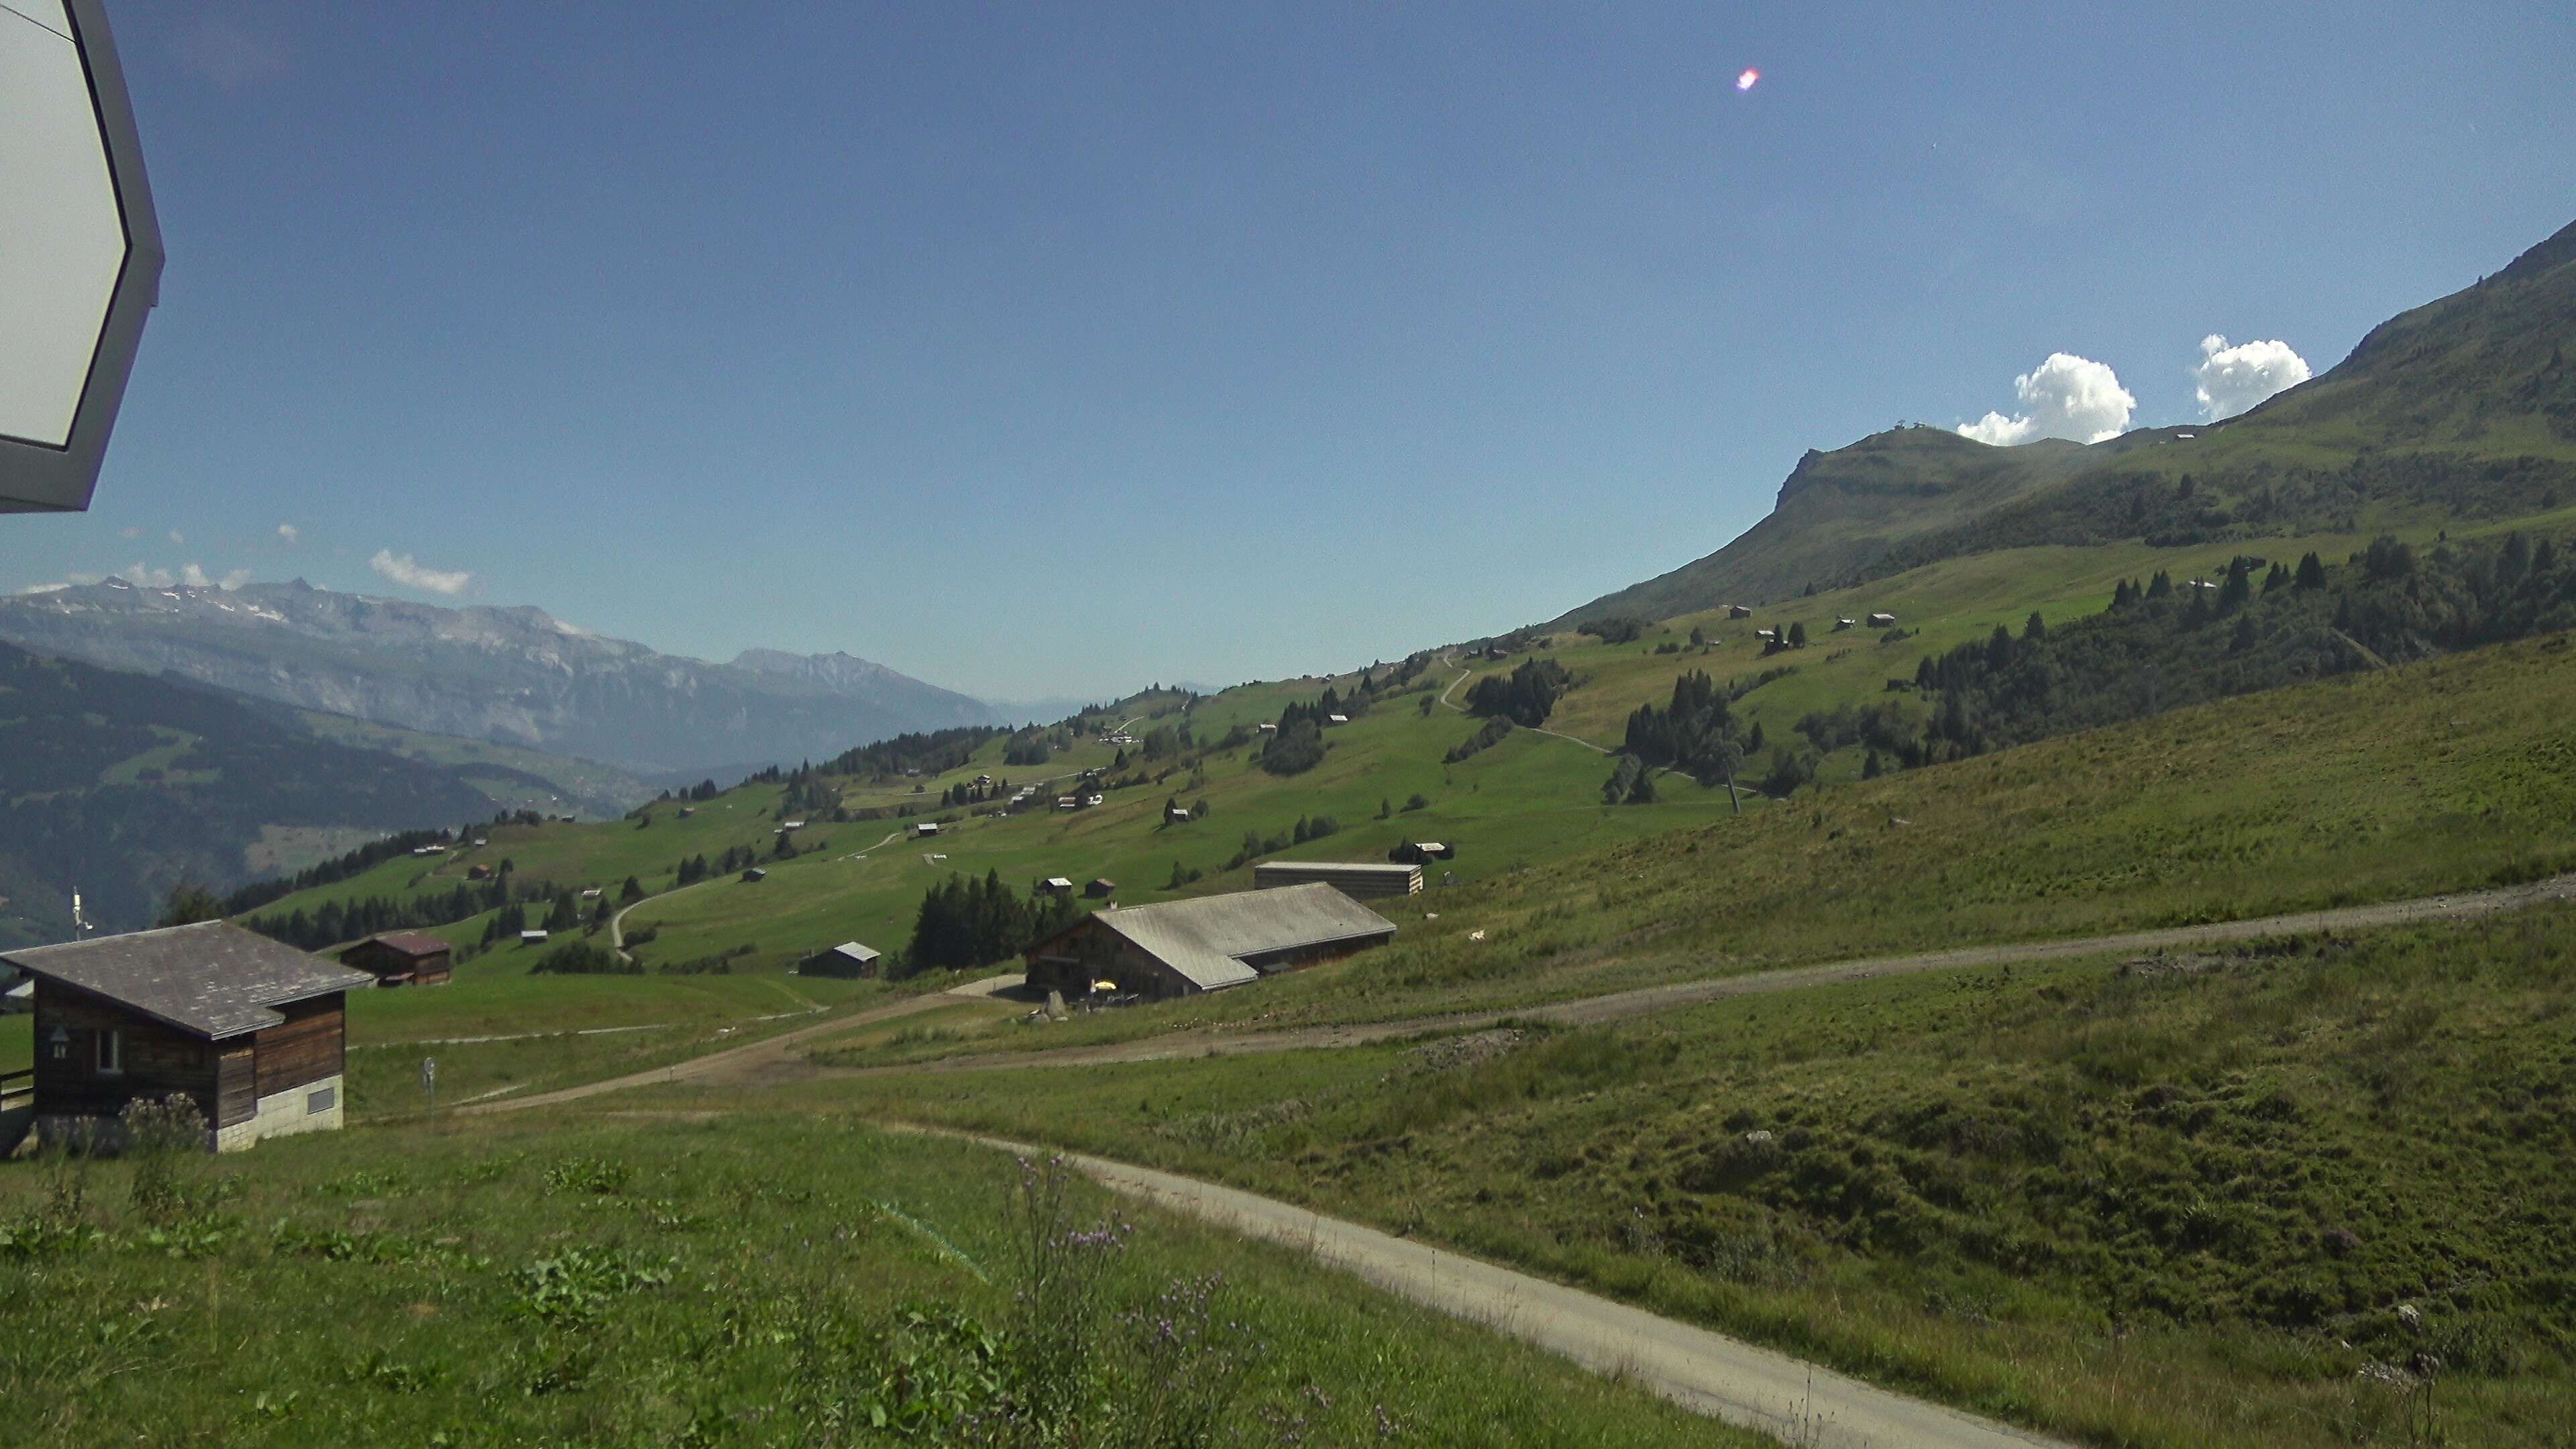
<point>401,958</point>
<point>251,1030</point>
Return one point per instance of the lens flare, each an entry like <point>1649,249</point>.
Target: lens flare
<point>1745,81</point>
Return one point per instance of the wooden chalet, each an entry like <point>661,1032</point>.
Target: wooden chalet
<point>1055,885</point>
<point>1101,888</point>
<point>1208,943</point>
<point>1418,852</point>
<point>251,1030</point>
<point>401,958</point>
<point>1882,621</point>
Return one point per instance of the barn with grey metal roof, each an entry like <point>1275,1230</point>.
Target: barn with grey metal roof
<point>1208,943</point>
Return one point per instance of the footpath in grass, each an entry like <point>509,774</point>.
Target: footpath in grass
<point>2303,1192</point>
<point>667,1281</point>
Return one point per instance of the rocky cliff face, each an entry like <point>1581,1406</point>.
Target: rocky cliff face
<point>515,675</point>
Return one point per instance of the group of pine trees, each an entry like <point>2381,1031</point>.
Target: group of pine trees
<point>2261,625</point>
<point>966,923</point>
<point>1526,696</point>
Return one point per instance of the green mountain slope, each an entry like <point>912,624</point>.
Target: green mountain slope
<point>120,785</point>
<point>2462,408</point>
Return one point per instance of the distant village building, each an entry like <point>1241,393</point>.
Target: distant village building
<point>429,850</point>
<point>1766,634</point>
<point>925,828</point>
<point>1101,888</point>
<point>1882,621</point>
<point>848,959</point>
<point>1210,943</point>
<point>532,937</point>
<point>1359,879</point>
<point>1417,852</point>
<point>1090,800</point>
<point>401,958</point>
<point>1068,802</point>
<point>1739,611</point>
<point>754,876</point>
<point>1055,885</point>
<point>250,1030</point>
<point>1841,624</point>
<point>478,872</point>
<point>590,893</point>
<point>1331,720</point>
<point>1176,814</point>
<point>1267,727</point>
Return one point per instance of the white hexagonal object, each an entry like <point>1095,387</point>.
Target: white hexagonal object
<point>80,250</point>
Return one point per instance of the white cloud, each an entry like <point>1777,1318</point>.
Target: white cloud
<point>148,576</point>
<point>2065,397</point>
<point>43,589</point>
<point>194,576</point>
<point>129,532</point>
<point>402,570</point>
<point>2233,379</point>
<point>289,532</point>
<point>234,580</point>
<point>177,537</point>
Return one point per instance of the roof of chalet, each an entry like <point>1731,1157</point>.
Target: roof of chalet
<point>212,979</point>
<point>1202,938</point>
<point>851,949</point>
<point>411,943</point>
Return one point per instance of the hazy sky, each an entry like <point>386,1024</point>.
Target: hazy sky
<point>1057,348</point>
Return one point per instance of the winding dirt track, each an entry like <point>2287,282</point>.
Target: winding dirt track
<point>779,1060</point>
<point>1707,1373</point>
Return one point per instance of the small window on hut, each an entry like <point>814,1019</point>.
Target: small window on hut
<point>316,1103</point>
<point>111,1053</point>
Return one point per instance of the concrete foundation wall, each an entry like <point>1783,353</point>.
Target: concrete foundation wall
<point>293,1110</point>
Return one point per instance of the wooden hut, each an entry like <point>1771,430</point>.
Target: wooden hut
<point>250,1030</point>
<point>401,958</point>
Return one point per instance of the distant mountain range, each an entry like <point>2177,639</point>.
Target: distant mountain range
<point>2462,408</point>
<point>515,676</point>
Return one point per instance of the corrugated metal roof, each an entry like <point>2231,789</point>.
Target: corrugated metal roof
<point>854,951</point>
<point>1202,938</point>
<point>1338,867</point>
<point>213,979</point>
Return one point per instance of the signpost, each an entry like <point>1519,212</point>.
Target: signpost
<point>80,250</point>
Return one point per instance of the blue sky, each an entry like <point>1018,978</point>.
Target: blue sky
<point>1055,349</point>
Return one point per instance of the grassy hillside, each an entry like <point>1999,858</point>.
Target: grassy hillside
<point>770,1281</point>
<point>581,787</point>
<point>2178,1200</point>
<point>122,785</point>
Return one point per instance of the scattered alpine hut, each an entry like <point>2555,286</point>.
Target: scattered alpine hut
<point>1842,625</point>
<point>1882,621</point>
<point>250,1029</point>
<point>1101,888</point>
<point>925,829</point>
<point>533,936</point>
<point>1358,879</point>
<point>1416,852</point>
<point>1739,611</point>
<point>1055,885</point>
<point>1176,815</point>
<point>848,959</point>
<point>1208,943</point>
<point>401,958</point>
<point>754,876</point>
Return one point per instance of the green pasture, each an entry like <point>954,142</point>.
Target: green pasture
<point>2168,1201</point>
<point>744,1282</point>
<point>2451,774</point>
